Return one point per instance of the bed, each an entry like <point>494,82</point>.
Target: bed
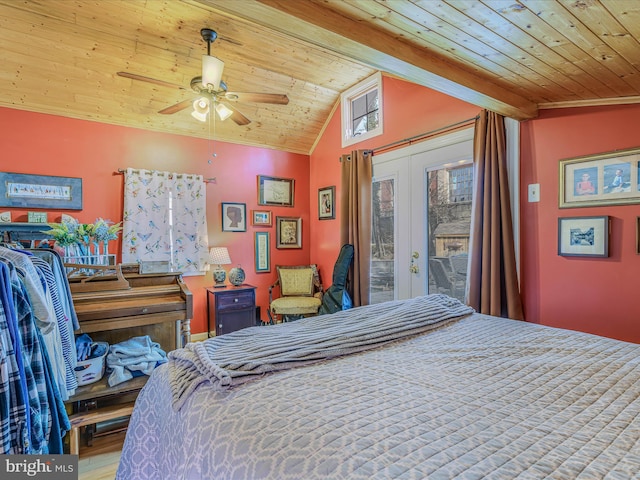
<point>414,389</point>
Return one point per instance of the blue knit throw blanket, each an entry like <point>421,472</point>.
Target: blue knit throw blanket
<point>234,358</point>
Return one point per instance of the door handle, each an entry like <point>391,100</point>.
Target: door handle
<point>413,266</point>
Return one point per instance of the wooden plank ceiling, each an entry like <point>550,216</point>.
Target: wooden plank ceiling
<point>510,56</point>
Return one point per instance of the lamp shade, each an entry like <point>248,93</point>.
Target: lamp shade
<point>200,109</point>
<point>219,256</point>
<point>211,72</point>
<point>224,112</point>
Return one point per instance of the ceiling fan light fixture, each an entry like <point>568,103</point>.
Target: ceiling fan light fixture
<point>200,109</point>
<point>211,72</point>
<point>224,112</point>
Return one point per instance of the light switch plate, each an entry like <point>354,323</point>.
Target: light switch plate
<point>534,192</point>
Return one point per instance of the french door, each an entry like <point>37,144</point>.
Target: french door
<point>421,199</point>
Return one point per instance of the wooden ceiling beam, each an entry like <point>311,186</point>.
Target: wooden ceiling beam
<point>319,26</point>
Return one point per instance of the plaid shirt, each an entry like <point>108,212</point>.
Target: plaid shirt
<point>15,426</point>
<point>39,411</point>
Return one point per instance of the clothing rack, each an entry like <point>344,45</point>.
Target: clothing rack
<point>38,367</point>
<point>122,171</point>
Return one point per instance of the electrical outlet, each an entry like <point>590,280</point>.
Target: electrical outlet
<point>534,192</point>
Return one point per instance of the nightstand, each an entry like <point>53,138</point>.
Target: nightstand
<point>231,308</point>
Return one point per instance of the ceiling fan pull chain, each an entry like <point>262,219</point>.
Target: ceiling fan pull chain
<point>212,141</point>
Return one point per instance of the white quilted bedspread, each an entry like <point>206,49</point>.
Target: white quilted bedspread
<point>479,398</point>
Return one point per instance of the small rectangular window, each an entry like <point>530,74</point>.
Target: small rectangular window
<point>362,111</point>
<point>460,184</point>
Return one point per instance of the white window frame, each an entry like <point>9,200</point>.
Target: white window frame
<point>347,97</point>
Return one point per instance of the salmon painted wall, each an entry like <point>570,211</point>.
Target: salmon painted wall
<point>51,145</point>
<point>409,110</point>
<point>594,295</point>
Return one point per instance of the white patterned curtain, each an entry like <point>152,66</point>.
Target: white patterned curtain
<point>165,220</point>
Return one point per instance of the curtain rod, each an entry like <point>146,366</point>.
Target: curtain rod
<point>121,171</point>
<point>423,136</point>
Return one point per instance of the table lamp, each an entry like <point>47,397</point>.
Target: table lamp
<point>219,256</point>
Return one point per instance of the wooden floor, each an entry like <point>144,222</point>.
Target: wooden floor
<point>100,461</point>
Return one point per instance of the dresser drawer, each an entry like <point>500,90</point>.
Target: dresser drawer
<point>235,300</point>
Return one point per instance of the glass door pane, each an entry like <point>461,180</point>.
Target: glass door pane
<point>382,240</point>
<point>449,227</point>
<point>416,192</point>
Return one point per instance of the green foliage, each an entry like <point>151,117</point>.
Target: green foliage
<point>72,232</point>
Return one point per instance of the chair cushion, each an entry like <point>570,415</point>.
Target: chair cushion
<point>296,281</point>
<point>295,305</point>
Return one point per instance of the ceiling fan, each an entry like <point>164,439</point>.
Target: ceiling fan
<point>212,91</point>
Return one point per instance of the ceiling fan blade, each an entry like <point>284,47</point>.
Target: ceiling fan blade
<point>275,98</point>
<point>176,108</point>
<point>142,78</point>
<point>237,117</point>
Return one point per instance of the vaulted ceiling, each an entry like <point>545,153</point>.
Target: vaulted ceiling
<point>510,56</point>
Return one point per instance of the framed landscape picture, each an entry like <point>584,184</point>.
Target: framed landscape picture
<point>22,190</point>
<point>583,236</point>
<point>261,218</point>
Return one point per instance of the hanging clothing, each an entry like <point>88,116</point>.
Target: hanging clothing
<point>67,344</point>
<point>32,365</point>
<point>43,309</point>
<point>15,426</point>
<point>56,262</point>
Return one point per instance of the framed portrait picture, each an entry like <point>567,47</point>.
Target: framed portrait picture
<point>288,232</point>
<point>234,217</point>
<point>275,191</point>
<point>604,179</point>
<point>261,218</point>
<point>583,236</point>
<point>263,261</point>
<point>326,203</point>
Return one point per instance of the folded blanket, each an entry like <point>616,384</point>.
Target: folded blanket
<point>237,357</point>
<point>136,355</point>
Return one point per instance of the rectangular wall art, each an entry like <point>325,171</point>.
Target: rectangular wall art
<point>604,179</point>
<point>263,262</point>
<point>275,191</point>
<point>583,236</point>
<point>21,190</point>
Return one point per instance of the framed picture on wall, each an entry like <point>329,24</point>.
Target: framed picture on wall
<point>583,236</point>
<point>23,190</point>
<point>234,217</point>
<point>604,179</point>
<point>261,218</point>
<point>275,191</point>
<point>326,203</point>
<point>263,262</point>
<point>288,232</point>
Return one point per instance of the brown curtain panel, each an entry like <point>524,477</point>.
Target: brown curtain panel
<point>493,279</point>
<point>355,220</point>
